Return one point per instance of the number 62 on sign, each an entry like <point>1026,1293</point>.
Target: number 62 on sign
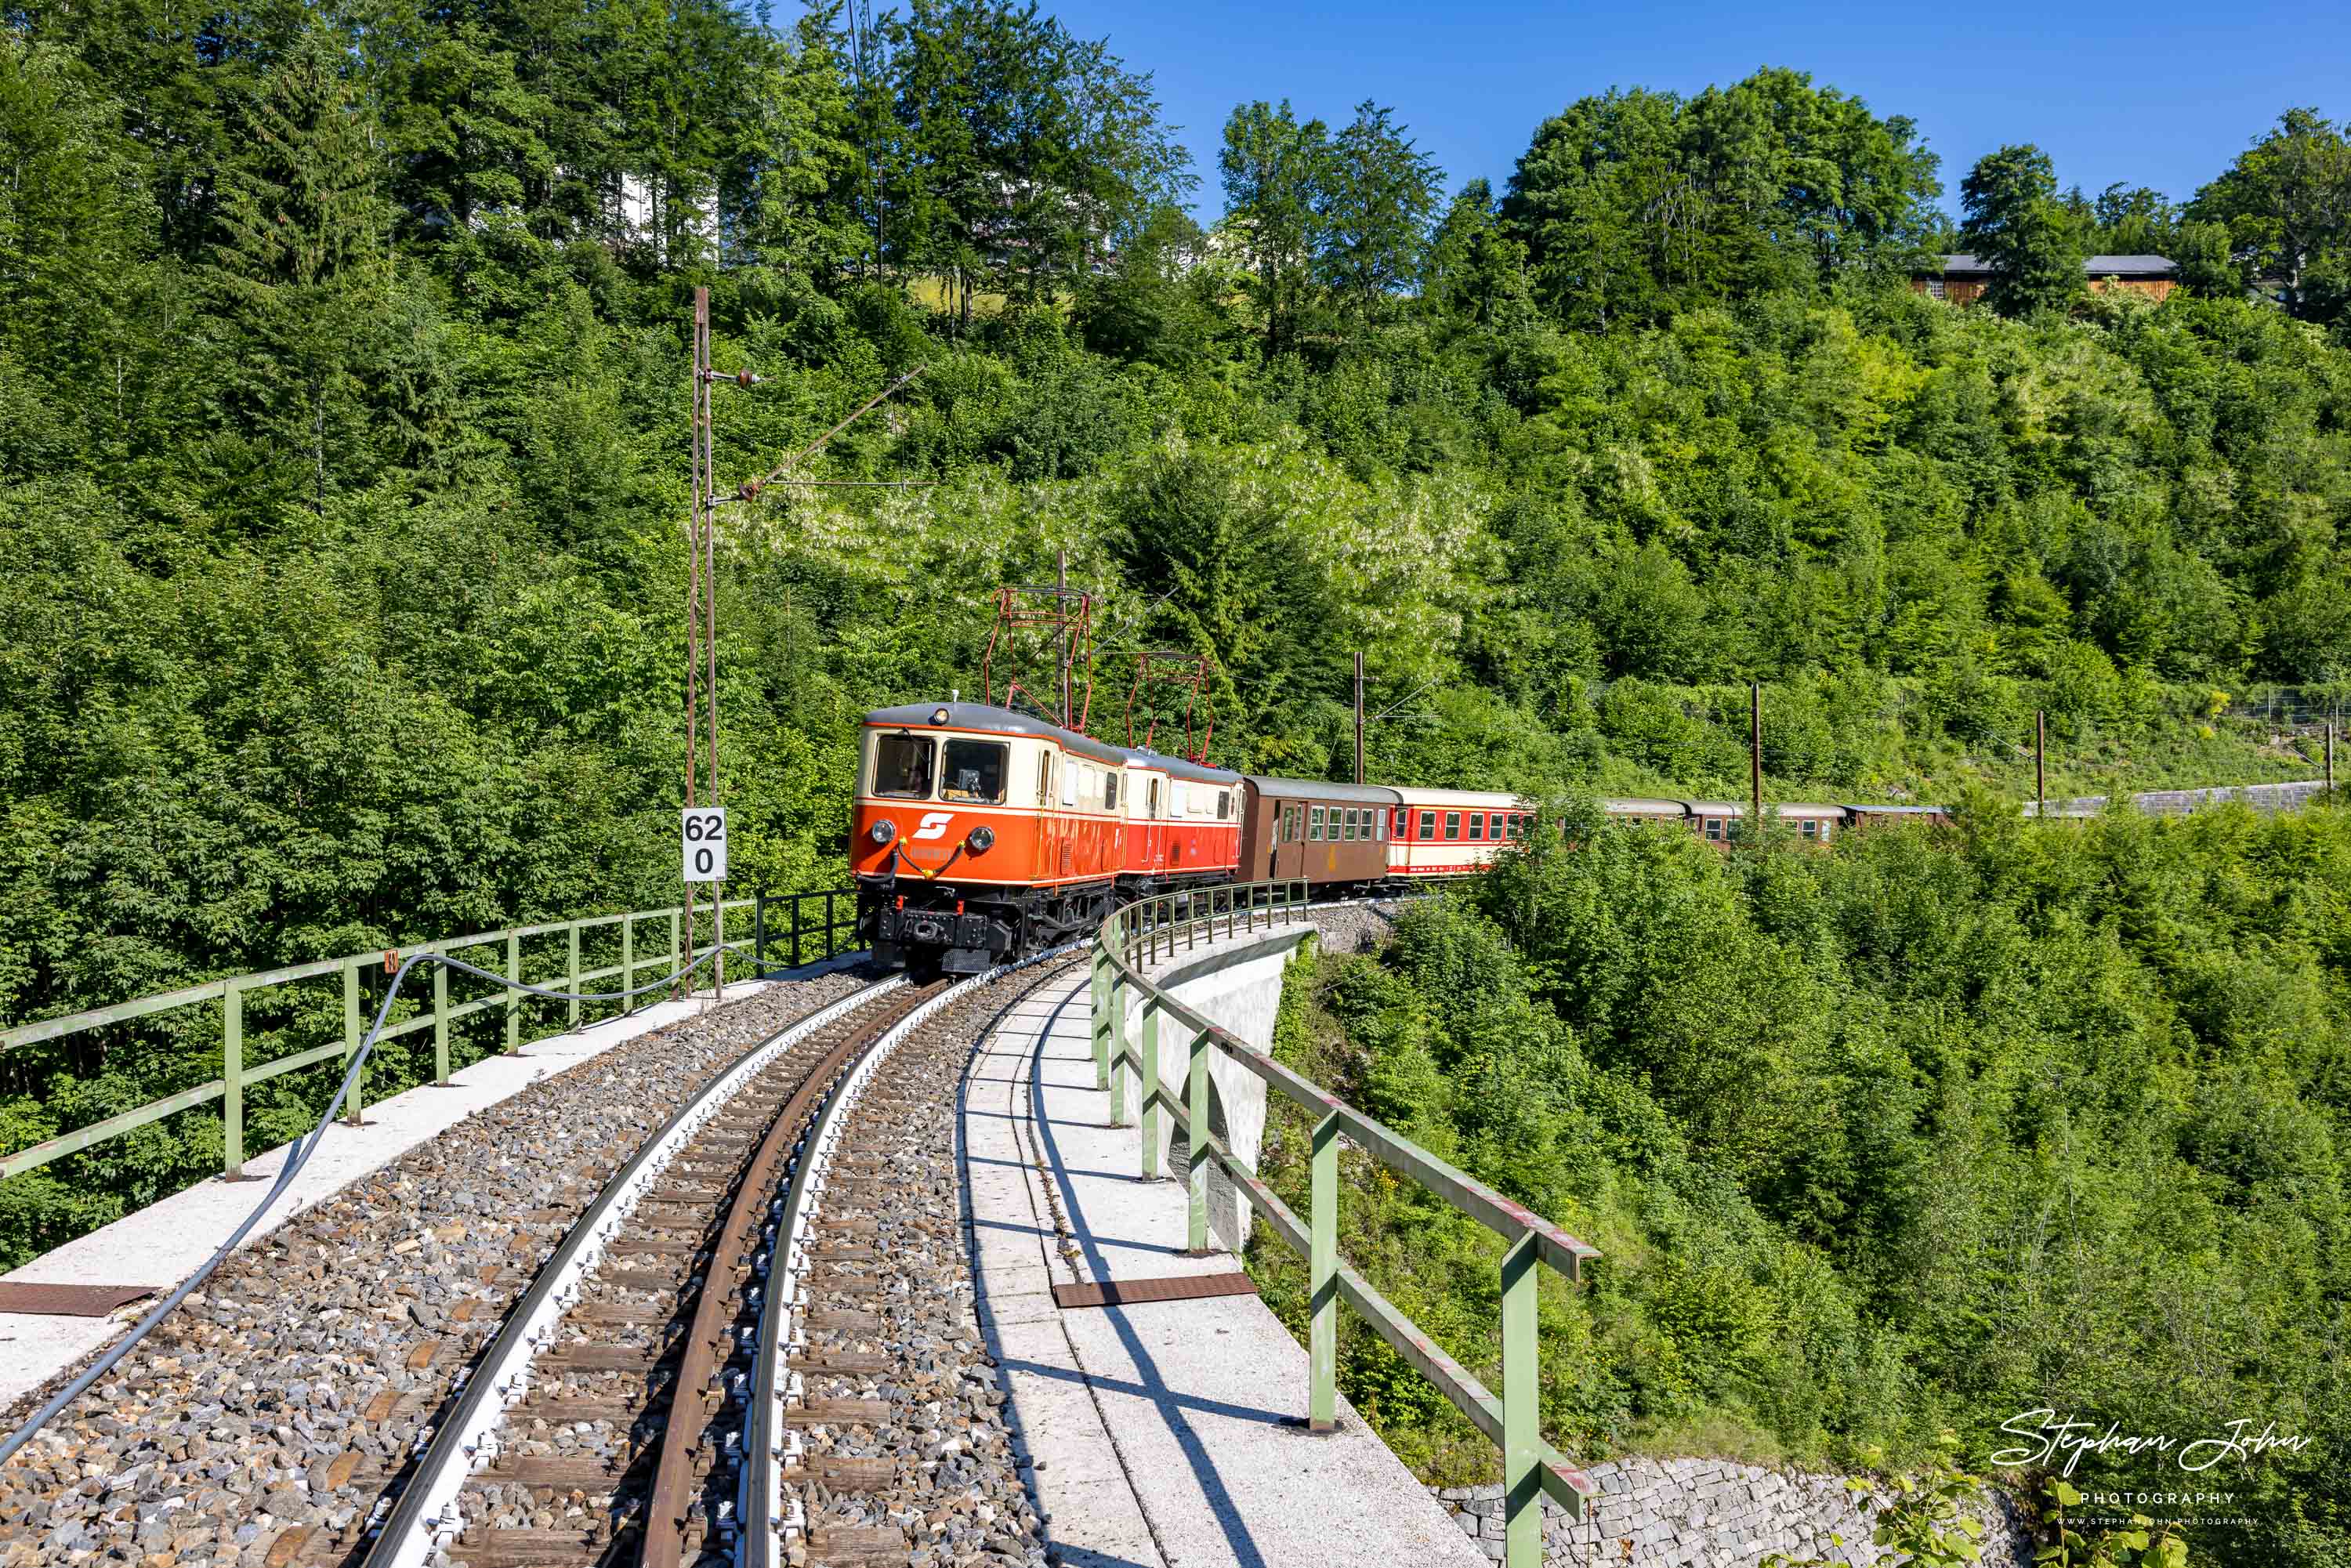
<point>701,835</point>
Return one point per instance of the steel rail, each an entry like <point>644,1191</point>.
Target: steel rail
<point>421,1520</point>
<point>767,1444</point>
<point>669,1507</point>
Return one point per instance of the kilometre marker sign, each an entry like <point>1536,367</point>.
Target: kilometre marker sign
<point>701,835</point>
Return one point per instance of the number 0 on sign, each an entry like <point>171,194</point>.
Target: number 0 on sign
<point>702,832</point>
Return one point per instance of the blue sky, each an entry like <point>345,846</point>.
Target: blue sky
<point>2155,94</point>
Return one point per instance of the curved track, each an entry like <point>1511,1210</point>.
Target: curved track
<point>577,1436</point>
<point>757,1346</point>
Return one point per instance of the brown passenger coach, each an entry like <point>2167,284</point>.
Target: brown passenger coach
<point>1322,832</point>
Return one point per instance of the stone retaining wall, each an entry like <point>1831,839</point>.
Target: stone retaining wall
<point>1664,1513</point>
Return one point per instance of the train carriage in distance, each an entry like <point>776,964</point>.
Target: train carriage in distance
<point>1672,814</point>
<point>1452,832</point>
<point>1330,835</point>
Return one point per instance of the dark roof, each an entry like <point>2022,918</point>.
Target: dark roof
<point>1312,789</point>
<point>1964,265</point>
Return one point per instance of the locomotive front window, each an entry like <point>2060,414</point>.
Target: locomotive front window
<point>901,766</point>
<point>975,772</point>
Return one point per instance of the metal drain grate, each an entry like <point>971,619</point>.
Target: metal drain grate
<point>67,1301</point>
<point>1133,1292</point>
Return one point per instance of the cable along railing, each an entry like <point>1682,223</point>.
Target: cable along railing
<point>670,949</point>
<point>1172,924</point>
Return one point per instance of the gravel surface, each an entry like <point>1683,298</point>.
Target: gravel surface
<point>892,1279</point>
<point>285,1393</point>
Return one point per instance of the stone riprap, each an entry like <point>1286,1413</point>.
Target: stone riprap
<point>1653,1514</point>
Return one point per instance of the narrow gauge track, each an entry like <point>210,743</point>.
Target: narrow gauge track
<point>876,1429</point>
<point>624,1332</point>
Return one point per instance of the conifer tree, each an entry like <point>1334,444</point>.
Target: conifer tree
<point>301,270</point>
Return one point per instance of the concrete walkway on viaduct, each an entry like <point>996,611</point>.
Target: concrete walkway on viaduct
<point>1166,1433</point>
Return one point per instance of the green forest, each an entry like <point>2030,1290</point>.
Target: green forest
<point>1918,1134</point>
<point>344,355</point>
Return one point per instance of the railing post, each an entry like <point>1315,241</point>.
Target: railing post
<point>233,1075</point>
<point>1105,989</point>
<point>828,927</point>
<point>759,933</point>
<point>1323,1394</point>
<point>1521,1409</point>
<point>1118,1070</point>
<point>571,979</point>
<point>1228,913</point>
<point>441,1024</point>
<point>717,941</point>
<point>1150,1117</point>
<point>1196,1146</point>
<point>795,933</point>
<point>629,960</point>
<point>354,1031</point>
<point>673,959</point>
<point>513,996</point>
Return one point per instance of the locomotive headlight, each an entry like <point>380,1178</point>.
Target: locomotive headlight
<point>883,832</point>
<point>980,839</point>
<point>940,717</point>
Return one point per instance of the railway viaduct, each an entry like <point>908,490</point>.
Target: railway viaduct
<point>829,1268</point>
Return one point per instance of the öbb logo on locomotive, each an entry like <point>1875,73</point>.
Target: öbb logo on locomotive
<point>1031,833</point>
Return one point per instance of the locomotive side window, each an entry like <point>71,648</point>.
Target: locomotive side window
<point>1314,825</point>
<point>1477,824</point>
<point>1428,826</point>
<point>1379,827</point>
<point>1151,806</point>
<point>1714,829</point>
<point>1291,823</point>
<point>1351,825</point>
<point>1110,791</point>
<point>975,772</point>
<point>1224,805</point>
<point>1452,825</point>
<point>901,766</point>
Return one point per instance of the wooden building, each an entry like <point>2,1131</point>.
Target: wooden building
<point>1962,280</point>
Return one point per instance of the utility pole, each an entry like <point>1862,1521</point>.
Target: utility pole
<point>2330,759</point>
<point>1359,716</point>
<point>2039,772</point>
<point>702,630</point>
<point>1755,761</point>
<point>1061,586</point>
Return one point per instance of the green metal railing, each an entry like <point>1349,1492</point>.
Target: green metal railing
<point>237,1074</point>
<point>1143,932</point>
